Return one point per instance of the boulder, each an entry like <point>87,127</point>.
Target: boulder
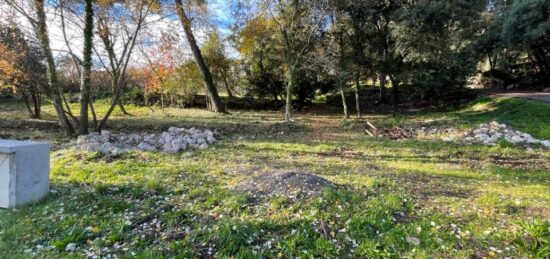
<point>91,147</point>
<point>481,137</point>
<point>104,138</point>
<point>516,139</point>
<point>201,141</point>
<point>150,139</point>
<point>481,131</point>
<point>146,147</point>
<point>168,138</point>
<point>210,139</point>
<point>209,133</point>
<point>117,151</point>
<point>82,139</point>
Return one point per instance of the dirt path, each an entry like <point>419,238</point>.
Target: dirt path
<point>539,96</point>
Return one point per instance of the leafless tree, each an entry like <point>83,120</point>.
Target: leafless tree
<point>119,34</point>
<point>34,12</point>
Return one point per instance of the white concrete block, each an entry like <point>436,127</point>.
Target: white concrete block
<point>24,172</point>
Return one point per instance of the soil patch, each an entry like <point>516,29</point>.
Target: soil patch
<point>290,184</point>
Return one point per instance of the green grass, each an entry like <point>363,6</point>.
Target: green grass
<point>456,200</point>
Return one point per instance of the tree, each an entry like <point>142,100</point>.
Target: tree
<point>336,53</point>
<point>381,45</point>
<point>10,73</point>
<point>216,59</point>
<point>86,67</point>
<point>358,12</point>
<point>260,47</point>
<point>434,40</point>
<point>299,23</point>
<point>527,27</point>
<point>21,68</point>
<point>124,25</point>
<point>37,19</point>
<point>162,61</point>
<point>216,102</point>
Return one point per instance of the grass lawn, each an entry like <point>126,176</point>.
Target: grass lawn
<point>419,198</point>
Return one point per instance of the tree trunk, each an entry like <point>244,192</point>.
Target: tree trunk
<point>52,80</point>
<point>161,100</point>
<point>116,98</point>
<point>36,103</point>
<point>227,88</point>
<point>395,91</point>
<point>145,98</point>
<point>291,84</point>
<point>86,68</point>
<point>122,108</point>
<point>217,104</point>
<point>94,115</point>
<point>344,103</point>
<point>28,105</point>
<point>382,88</point>
<point>357,102</point>
<point>491,64</point>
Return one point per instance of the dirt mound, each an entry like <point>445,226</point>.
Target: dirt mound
<point>290,184</point>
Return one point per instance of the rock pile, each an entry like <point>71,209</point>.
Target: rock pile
<point>173,141</point>
<point>490,134</point>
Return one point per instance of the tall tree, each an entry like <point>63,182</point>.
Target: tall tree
<point>21,68</point>
<point>358,12</point>
<point>38,23</point>
<point>299,23</point>
<point>527,27</point>
<point>260,49</point>
<point>336,50</point>
<point>126,25</point>
<point>215,100</point>
<point>86,67</point>
<point>216,59</point>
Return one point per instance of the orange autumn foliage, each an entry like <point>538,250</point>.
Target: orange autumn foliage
<point>10,74</point>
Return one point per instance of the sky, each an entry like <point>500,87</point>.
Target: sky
<point>220,16</point>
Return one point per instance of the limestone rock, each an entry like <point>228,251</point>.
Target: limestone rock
<point>117,151</point>
<point>172,141</point>
<point>146,147</point>
<point>481,137</point>
<point>71,247</point>
<point>481,131</point>
<point>489,134</point>
<point>210,139</point>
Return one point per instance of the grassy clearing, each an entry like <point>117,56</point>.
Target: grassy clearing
<point>412,198</point>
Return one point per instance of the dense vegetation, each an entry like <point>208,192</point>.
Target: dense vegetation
<point>277,52</point>
<point>71,67</point>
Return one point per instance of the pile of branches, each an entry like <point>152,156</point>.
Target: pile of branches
<point>393,133</point>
